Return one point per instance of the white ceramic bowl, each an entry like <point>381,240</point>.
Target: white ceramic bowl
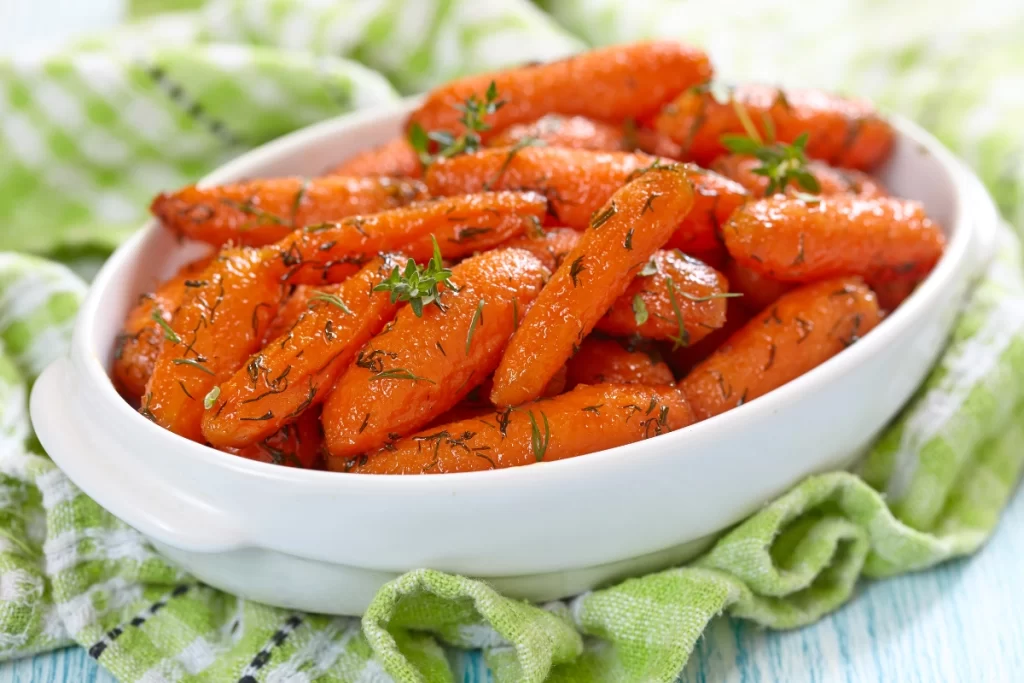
<point>324,542</point>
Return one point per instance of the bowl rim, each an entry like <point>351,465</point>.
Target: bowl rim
<point>961,231</point>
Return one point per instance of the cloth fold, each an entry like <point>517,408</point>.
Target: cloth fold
<point>98,126</point>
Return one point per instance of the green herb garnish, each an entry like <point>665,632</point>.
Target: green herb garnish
<point>639,310</point>
<point>538,441</point>
<point>683,338</point>
<point>211,398</point>
<point>193,363</point>
<point>399,373</point>
<point>575,270</point>
<point>781,163</point>
<point>417,285</point>
<point>332,299</point>
<point>478,317</point>
<point>474,111</point>
<point>169,333</point>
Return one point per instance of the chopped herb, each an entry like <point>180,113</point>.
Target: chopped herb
<point>683,338</point>
<point>538,441</point>
<point>196,283</point>
<point>653,404</point>
<point>504,417</point>
<point>297,202</point>
<point>249,208</point>
<point>603,217</point>
<point>467,234</point>
<point>269,415</point>
<point>639,310</point>
<point>366,421</point>
<point>649,204</point>
<point>418,285</point>
<point>575,270</point>
<point>650,268</point>
<point>478,317</point>
<point>399,373</point>
<point>211,398</point>
<point>594,409</point>
<point>709,297</point>
<point>440,348</point>
<point>184,388</point>
<point>169,333</point>
<point>332,299</point>
<point>628,244</point>
<point>771,358</point>
<point>522,143</point>
<point>193,363</point>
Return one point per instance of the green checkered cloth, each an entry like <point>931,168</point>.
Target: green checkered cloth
<point>91,131</point>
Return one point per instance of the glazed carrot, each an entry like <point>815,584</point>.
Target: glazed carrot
<point>684,359</point>
<point>578,182</point>
<point>551,247</point>
<point>554,387</point>
<point>797,333</point>
<point>259,212</point>
<point>294,372</point>
<point>610,84</point>
<point>620,240</point>
<point>601,361</point>
<point>461,225</point>
<point>684,312</point>
<point>758,291</point>
<point>222,321</point>
<point>582,421</point>
<point>295,306</point>
<point>422,366</point>
<point>140,341</point>
<point>576,132</point>
<point>297,444</point>
<point>894,292</point>
<point>832,180</point>
<point>797,240</point>
<point>396,158</point>
<point>843,132</point>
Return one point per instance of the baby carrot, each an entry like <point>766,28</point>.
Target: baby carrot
<point>831,180</point>
<point>582,421</point>
<point>620,240</point>
<point>758,291</point>
<point>610,84</point>
<point>461,225</point>
<point>675,298</point>
<point>423,365</point>
<point>140,342</point>
<point>551,247</point>
<point>607,361</point>
<point>396,158</point>
<point>259,212</point>
<point>297,444</point>
<point>294,372</point>
<point>222,321</point>
<point>843,132</point>
<point>295,306</point>
<point>800,331</point>
<point>798,240</point>
<point>578,182</point>
<point>577,132</point>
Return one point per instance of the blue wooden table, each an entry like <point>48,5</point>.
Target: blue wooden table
<point>963,621</point>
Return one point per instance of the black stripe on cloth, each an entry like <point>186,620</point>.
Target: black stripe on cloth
<point>265,653</point>
<point>190,106</point>
<point>100,646</point>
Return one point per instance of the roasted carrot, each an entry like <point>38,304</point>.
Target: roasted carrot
<point>259,212</point>
<point>607,361</point>
<point>554,387</point>
<point>831,180</point>
<point>892,293</point>
<point>800,331</point>
<point>424,365</point>
<point>294,372</point>
<point>576,132</point>
<point>222,321</point>
<point>582,421</point>
<point>550,247</point>
<point>675,297</point>
<point>610,84</point>
<point>461,226</point>
<point>140,341</point>
<point>294,306</point>
<point>685,358</point>
<point>621,238</point>
<point>396,158</point>
<point>843,132</point>
<point>758,291</point>
<point>578,182</point>
<point>297,444</point>
<point>798,240</point>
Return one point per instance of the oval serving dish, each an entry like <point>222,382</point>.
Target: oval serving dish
<point>325,542</point>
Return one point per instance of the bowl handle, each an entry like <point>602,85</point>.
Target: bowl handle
<point>105,471</point>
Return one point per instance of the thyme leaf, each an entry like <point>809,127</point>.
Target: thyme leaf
<point>211,398</point>
<point>474,114</point>
<point>639,310</point>
<point>399,373</point>
<point>478,317</point>
<point>538,441</point>
<point>193,363</point>
<point>169,333</point>
<point>332,299</point>
<point>417,284</point>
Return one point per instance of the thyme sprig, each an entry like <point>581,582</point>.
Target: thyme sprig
<point>418,284</point>
<point>474,112</point>
<point>781,163</point>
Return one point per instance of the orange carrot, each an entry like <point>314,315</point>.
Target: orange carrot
<point>295,306</point>
<point>758,291</point>
<point>800,331</point>
<point>685,358</point>
<point>551,247</point>
<point>674,298</point>
<point>140,342</point>
<point>422,366</point>
<point>223,320</point>
<point>461,225</point>
<point>601,361</point>
<point>621,239</point>
<point>578,182</point>
<point>798,240</point>
<point>582,421</point>
<point>843,132</point>
<point>259,212</point>
<point>831,180</point>
<point>610,84</point>
<point>892,293</point>
<point>396,158</point>
<point>297,444</point>
<point>576,132</point>
<point>295,372</point>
